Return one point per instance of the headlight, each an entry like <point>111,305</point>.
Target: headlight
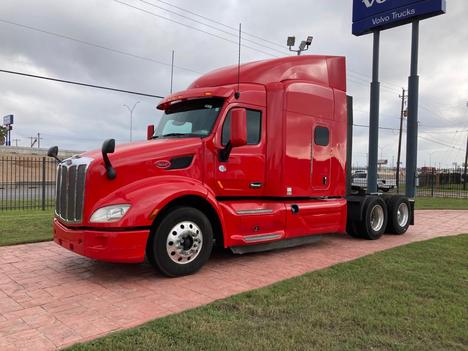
<point>109,214</point>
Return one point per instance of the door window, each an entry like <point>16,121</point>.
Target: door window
<point>321,136</point>
<point>254,127</point>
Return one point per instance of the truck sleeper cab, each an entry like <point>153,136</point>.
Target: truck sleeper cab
<point>251,166</point>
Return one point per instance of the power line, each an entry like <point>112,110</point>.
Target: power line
<point>191,27</point>
<point>384,128</point>
<point>115,51</point>
<point>445,132</point>
<point>210,26</point>
<point>79,83</point>
<point>219,23</point>
<point>441,143</point>
<point>420,136</point>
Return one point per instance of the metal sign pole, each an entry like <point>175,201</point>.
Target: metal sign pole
<point>412,133</point>
<point>374,118</point>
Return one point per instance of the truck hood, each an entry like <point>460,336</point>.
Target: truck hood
<point>136,162</point>
<point>144,150</point>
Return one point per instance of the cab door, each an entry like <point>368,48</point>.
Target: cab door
<point>243,173</point>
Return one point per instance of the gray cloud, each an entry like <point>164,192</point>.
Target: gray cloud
<point>80,118</point>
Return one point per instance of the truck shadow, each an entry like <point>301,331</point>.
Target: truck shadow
<point>221,259</point>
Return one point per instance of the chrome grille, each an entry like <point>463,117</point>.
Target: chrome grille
<point>71,177</point>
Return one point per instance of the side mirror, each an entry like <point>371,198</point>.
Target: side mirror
<point>150,132</point>
<point>238,127</point>
<point>238,133</point>
<point>108,147</point>
<point>53,152</point>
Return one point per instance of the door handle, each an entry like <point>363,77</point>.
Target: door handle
<point>325,180</point>
<point>256,185</point>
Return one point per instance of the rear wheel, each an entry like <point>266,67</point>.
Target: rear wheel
<point>374,220</point>
<point>352,228</point>
<point>399,214</point>
<point>182,242</point>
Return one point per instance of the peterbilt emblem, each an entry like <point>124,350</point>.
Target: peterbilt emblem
<point>163,164</point>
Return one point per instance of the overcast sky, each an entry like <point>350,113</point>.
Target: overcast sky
<point>127,44</point>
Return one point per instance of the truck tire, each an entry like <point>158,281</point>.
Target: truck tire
<point>399,214</point>
<point>374,220</point>
<point>181,243</point>
<point>352,228</point>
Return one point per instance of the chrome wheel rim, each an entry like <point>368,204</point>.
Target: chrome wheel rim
<point>402,214</point>
<point>184,242</point>
<point>377,218</point>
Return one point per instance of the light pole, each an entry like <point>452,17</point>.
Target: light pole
<point>430,157</point>
<point>304,46</point>
<point>131,117</point>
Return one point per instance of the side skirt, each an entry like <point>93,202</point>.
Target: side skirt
<point>274,245</point>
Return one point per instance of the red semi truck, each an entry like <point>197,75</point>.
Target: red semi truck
<point>250,161</point>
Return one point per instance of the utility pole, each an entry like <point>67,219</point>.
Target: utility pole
<point>36,139</point>
<point>172,70</point>
<point>403,102</point>
<point>466,161</point>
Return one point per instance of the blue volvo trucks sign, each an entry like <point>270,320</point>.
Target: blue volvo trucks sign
<point>370,15</point>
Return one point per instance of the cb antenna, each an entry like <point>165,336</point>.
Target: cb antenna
<point>237,94</point>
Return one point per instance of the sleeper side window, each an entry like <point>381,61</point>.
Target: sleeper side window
<point>321,136</point>
<point>254,127</point>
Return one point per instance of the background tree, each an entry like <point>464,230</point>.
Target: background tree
<point>3,133</point>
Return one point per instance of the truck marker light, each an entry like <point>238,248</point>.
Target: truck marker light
<point>220,184</point>
<point>289,191</point>
<point>153,214</point>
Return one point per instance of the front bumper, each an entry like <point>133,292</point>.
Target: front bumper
<point>111,246</point>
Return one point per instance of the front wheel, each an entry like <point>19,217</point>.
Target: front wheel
<point>181,243</point>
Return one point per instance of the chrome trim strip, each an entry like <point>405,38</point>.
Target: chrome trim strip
<point>257,211</point>
<point>263,237</point>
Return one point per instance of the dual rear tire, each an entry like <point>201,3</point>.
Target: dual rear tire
<point>381,215</point>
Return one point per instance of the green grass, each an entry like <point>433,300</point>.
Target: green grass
<point>413,297</point>
<point>25,226</point>
<point>439,203</point>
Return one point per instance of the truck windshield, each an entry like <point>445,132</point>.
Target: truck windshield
<point>194,118</point>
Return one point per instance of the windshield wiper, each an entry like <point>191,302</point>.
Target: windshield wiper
<point>176,134</point>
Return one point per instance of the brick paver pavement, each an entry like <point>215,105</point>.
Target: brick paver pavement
<point>50,297</point>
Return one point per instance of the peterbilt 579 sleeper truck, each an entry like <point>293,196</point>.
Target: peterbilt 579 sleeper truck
<point>250,161</point>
